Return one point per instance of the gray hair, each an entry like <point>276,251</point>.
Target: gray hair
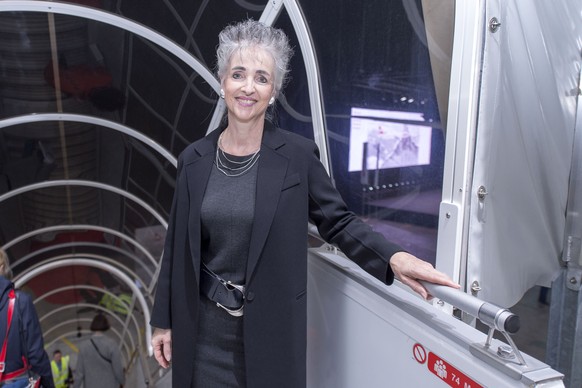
<point>5,265</point>
<point>251,33</point>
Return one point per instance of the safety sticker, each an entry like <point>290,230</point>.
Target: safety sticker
<point>448,373</point>
<point>419,353</point>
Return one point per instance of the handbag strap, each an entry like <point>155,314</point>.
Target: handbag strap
<point>11,299</point>
<point>26,367</point>
<point>98,351</point>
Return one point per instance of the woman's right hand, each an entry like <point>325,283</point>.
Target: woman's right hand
<point>162,344</point>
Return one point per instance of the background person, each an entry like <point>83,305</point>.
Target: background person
<point>24,338</point>
<point>62,373</point>
<point>99,364</point>
<point>244,196</point>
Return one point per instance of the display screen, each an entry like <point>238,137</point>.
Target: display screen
<point>383,139</point>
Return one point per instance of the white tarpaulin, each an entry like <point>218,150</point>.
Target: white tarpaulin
<point>525,133</point>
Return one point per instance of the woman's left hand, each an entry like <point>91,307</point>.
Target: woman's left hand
<point>409,269</point>
<point>162,344</point>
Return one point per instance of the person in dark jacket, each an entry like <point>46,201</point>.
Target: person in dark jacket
<point>230,307</point>
<point>25,338</point>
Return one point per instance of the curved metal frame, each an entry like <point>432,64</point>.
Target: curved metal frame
<point>77,244</point>
<point>78,182</point>
<point>127,25</point>
<point>270,14</point>
<point>101,290</point>
<point>91,256</point>
<point>145,32</point>
<point>115,21</point>
<point>77,118</point>
<point>49,343</point>
<point>64,323</point>
<point>73,333</point>
<point>271,11</point>
<point>114,232</point>
<point>97,307</point>
<point>107,267</point>
<point>126,354</point>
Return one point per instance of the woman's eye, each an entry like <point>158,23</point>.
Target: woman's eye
<point>262,80</point>
<point>237,76</point>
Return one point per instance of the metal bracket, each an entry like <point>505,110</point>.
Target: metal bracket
<point>475,288</point>
<point>511,362</point>
<point>481,193</point>
<point>511,367</point>
<point>331,248</point>
<point>574,279</point>
<point>504,351</point>
<point>494,24</point>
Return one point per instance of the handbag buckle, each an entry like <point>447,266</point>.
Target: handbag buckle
<point>235,313</point>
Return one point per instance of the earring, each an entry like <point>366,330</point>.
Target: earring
<point>222,93</point>
<point>272,100</point>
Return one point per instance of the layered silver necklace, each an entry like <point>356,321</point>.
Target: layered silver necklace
<point>231,167</point>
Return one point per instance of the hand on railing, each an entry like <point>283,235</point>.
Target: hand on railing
<point>497,318</point>
<point>412,271</point>
<point>493,316</point>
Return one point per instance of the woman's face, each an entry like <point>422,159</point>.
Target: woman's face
<point>249,84</point>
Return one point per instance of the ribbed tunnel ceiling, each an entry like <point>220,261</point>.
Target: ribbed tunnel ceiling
<point>97,99</point>
<point>94,115</point>
<point>84,199</point>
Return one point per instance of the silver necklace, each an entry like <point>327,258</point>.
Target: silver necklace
<point>233,168</point>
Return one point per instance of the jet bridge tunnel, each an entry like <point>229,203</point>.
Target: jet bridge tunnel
<point>99,97</point>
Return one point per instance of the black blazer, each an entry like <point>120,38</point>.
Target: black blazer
<point>292,188</point>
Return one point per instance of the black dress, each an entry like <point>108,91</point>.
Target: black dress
<point>227,216</point>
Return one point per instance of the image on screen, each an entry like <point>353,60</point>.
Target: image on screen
<point>383,139</point>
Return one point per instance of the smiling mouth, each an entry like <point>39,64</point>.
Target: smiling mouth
<point>246,101</point>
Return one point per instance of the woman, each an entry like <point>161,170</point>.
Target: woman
<point>25,344</point>
<point>99,362</point>
<point>244,196</point>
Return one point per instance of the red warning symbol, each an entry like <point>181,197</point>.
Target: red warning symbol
<point>419,353</point>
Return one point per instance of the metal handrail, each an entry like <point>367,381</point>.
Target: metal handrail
<point>495,317</point>
<point>490,314</point>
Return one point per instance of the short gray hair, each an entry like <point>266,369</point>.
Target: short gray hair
<point>251,33</point>
<point>5,265</point>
